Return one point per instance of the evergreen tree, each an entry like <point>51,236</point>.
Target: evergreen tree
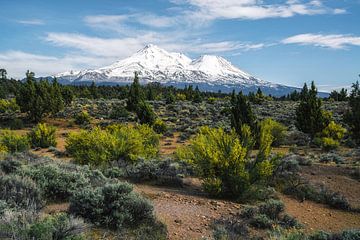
<point>352,117</point>
<point>3,74</point>
<point>170,98</point>
<point>233,97</point>
<point>38,98</point>
<point>241,113</point>
<point>67,95</point>
<point>310,118</point>
<point>145,113</point>
<point>93,91</point>
<point>339,96</point>
<point>57,102</point>
<point>135,96</point>
<point>197,95</point>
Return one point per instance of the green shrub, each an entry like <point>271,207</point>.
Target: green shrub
<point>3,150</point>
<point>23,225</point>
<point>10,165</point>
<point>278,130</point>
<point>82,118</point>
<point>43,136</point>
<point>162,172</point>
<point>352,116</point>
<point>113,206</point>
<point>272,208</point>
<point>310,118</point>
<point>145,113</point>
<point>159,126</point>
<point>56,183</point>
<point>117,142</point>
<point>217,155</point>
<point>213,186</point>
<point>288,221</point>
<point>58,226</point>
<point>249,212</point>
<point>16,123</point>
<point>331,135</point>
<point>20,192</point>
<point>8,106</point>
<point>261,221</point>
<point>119,112</point>
<point>13,142</point>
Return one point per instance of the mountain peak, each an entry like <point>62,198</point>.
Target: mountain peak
<point>151,48</point>
<point>156,64</point>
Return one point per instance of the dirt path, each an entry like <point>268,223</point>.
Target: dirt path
<point>187,216</point>
<point>335,178</point>
<point>316,216</point>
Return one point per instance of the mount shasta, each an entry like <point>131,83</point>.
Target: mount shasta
<point>211,73</point>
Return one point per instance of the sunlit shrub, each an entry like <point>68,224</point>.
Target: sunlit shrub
<point>8,106</point>
<point>220,159</point>
<point>43,136</point>
<point>159,126</point>
<point>14,142</point>
<point>116,142</point>
<point>82,118</point>
<point>278,131</point>
<point>330,137</point>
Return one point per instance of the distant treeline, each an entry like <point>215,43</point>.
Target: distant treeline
<point>153,91</point>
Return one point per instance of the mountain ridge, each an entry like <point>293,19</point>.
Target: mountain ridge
<point>154,64</point>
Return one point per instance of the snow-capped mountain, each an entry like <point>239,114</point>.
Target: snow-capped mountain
<point>157,65</point>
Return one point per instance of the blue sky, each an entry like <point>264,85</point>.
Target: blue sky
<point>283,41</point>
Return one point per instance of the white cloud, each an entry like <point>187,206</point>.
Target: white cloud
<point>226,46</point>
<point>334,41</point>
<point>44,65</point>
<point>105,47</point>
<point>31,22</point>
<point>207,10</point>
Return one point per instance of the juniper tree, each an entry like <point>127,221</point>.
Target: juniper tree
<point>3,74</point>
<point>310,118</point>
<point>135,95</point>
<point>352,117</point>
<point>241,113</point>
<point>39,98</point>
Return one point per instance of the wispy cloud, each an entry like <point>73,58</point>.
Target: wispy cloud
<point>119,23</point>
<point>31,22</point>
<point>333,41</point>
<point>207,10</point>
<point>44,65</point>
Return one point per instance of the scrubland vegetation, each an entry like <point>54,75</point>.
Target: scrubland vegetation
<point>113,141</point>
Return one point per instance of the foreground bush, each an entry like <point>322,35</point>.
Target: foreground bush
<point>56,183</point>
<point>268,215</point>
<point>13,142</point>
<point>20,192</point>
<point>114,206</point>
<point>27,225</point>
<point>43,136</point>
<point>117,142</point>
<point>220,159</point>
